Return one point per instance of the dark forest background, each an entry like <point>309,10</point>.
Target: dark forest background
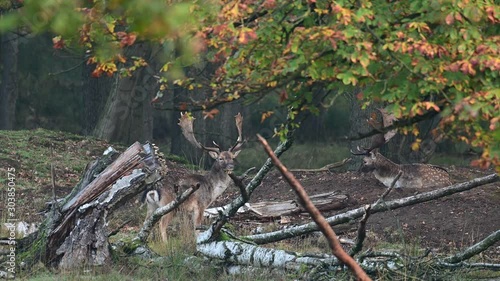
<point>41,87</point>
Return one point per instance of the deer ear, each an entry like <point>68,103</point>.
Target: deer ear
<point>213,154</point>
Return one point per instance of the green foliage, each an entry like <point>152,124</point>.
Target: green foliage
<point>414,57</point>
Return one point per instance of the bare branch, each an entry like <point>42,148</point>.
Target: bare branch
<point>362,223</point>
<point>388,190</point>
<point>323,225</point>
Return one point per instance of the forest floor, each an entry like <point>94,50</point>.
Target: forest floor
<point>444,225</point>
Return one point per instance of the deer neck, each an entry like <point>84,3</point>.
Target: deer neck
<point>218,180</point>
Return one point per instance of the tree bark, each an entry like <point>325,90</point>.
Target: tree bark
<point>8,79</point>
<point>358,120</point>
<point>95,91</point>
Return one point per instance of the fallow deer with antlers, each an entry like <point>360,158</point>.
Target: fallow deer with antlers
<point>413,175</point>
<point>211,185</point>
<point>386,171</point>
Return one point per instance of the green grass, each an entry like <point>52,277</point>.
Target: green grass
<point>31,152</point>
<point>299,156</point>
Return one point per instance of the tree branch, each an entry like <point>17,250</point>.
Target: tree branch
<point>323,225</point>
<point>397,124</point>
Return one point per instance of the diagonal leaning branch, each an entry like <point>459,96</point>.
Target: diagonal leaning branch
<point>323,225</point>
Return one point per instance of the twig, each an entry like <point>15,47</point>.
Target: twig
<point>387,191</point>
<point>324,168</point>
<point>316,215</point>
<point>361,235</point>
<point>160,212</point>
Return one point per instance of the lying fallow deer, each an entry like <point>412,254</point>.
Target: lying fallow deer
<point>211,185</point>
<point>413,175</point>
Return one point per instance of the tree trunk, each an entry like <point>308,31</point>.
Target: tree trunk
<point>359,124</point>
<point>127,116</point>
<point>95,90</point>
<point>8,79</point>
<point>76,234</point>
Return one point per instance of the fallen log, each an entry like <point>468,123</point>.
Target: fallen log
<point>270,209</point>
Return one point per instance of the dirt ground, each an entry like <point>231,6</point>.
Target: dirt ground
<point>446,224</point>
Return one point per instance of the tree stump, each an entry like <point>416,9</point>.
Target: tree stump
<point>74,233</point>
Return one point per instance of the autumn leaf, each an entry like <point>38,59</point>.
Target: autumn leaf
<point>266,115</point>
<point>416,145</point>
<point>246,35</point>
<point>58,42</point>
<point>210,114</point>
<point>126,39</point>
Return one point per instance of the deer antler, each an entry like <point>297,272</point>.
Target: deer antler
<point>239,125</point>
<point>186,124</point>
<point>362,151</point>
<point>388,119</point>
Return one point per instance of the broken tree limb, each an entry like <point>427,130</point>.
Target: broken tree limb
<point>325,168</point>
<point>78,235</point>
<point>323,225</point>
<point>143,234</point>
<point>382,207</point>
<point>272,209</point>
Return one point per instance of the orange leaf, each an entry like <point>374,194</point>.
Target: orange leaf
<point>58,42</point>
<point>210,114</point>
<point>246,36</point>
<point>450,19</point>
<point>266,115</point>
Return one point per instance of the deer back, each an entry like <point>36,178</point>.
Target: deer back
<point>413,175</point>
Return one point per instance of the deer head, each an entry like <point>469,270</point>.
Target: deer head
<point>224,160</point>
